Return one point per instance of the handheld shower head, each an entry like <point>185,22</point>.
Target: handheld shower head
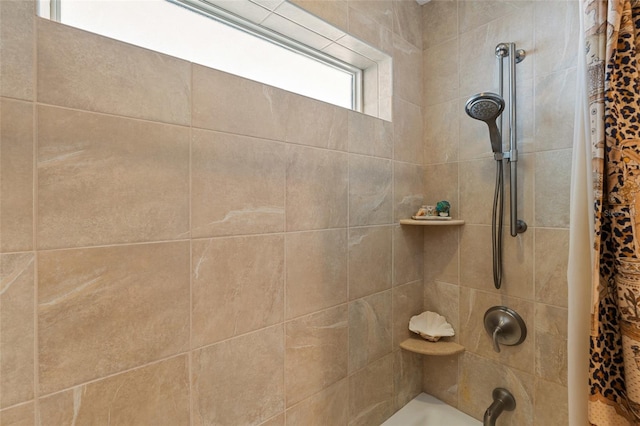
<point>487,107</point>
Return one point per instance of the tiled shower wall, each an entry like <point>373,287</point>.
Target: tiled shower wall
<point>182,246</point>
<point>459,42</point>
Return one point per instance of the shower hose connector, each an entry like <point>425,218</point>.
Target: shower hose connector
<point>502,400</point>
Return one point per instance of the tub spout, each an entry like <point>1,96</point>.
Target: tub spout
<point>502,400</point>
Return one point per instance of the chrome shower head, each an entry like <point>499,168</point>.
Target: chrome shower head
<point>487,107</point>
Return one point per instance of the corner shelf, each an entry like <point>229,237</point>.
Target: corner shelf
<point>452,222</point>
<point>440,348</point>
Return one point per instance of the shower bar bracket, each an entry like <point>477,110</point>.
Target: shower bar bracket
<point>502,51</point>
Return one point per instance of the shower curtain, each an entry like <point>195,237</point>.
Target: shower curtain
<point>611,37</point>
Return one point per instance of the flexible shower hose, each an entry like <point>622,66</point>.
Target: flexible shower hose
<point>496,225</point>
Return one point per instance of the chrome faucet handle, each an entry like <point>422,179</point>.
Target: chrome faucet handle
<point>505,327</point>
<point>496,333</point>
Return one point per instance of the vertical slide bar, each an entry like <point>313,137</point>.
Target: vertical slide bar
<point>513,140</point>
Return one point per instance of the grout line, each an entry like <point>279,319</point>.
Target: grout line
<point>138,243</point>
<point>285,299</point>
<point>348,282</point>
<point>114,245</point>
<point>196,128</point>
<point>118,373</point>
<point>190,355</point>
<point>112,115</point>
<point>34,229</point>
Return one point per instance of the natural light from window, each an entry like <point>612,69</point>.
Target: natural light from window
<point>177,31</point>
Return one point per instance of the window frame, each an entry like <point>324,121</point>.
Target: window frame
<point>239,23</point>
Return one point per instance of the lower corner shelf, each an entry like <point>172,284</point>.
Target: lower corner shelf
<point>421,346</point>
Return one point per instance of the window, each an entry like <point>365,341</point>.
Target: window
<point>271,41</point>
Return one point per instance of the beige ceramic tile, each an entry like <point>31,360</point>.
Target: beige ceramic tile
<point>316,271</point>
<point>364,27</point>
<point>551,343</point>
<point>17,328</point>
<point>518,265</point>
<point>526,123</point>
<point>554,110</point>
<point>553,184</point>
<point>239,381</point>
<point>551,404</point>
<point>441,378</point>
<point>132,303</point>
<point>314,123</point>
<point>476,257</point>
<point>19,415</point>
<point>257,110</point>
<point>441,255</point>
<point>328,407</point>
<point>16,174</point>
<point>477,185</point>
<point>407,21</point>
<point>238,286</point>
<point>443,298</point>
<point>237,185</point>
<point>370,191</point>
<point>380,11</point>
<point>407,70</point>
<point>480,376</point>
<point>441,134</point>
<point>105,180</point>
<point>441,73</point>
<point>407,302</point>
<point>278,420</point>
<point>478,44</point>
<point>16,51</point>
<point>407,190</point>
<point>439,22</point>
<point>317,189</point>
<point>473,14</point>
<point>517,261</point>
<point>551,257</point>
<point>157,394</point>
<point>316,352</point>
<point>370,323</point>
<point>369,135</point>
<point>557,28</point>
<point>122,79</point>
<point>407,128</point>
<point>473,306</point>
<point>407,376</point>
<point>376,404</point>
<point>408,259</point>
<point>334,12</point>
<point>441,183</point>
<point>369,260</point>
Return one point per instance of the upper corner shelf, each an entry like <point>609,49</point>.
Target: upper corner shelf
<point>441,348</point>
<point>452,222</point>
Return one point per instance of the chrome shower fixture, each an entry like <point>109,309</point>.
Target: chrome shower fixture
<point>515,56</point>
<point>502,51</point>
<point>487,107</point>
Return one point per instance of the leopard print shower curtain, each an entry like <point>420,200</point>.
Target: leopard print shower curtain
<point>612,36</point>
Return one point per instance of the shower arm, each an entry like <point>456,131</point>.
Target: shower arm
<point>515,56</point>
